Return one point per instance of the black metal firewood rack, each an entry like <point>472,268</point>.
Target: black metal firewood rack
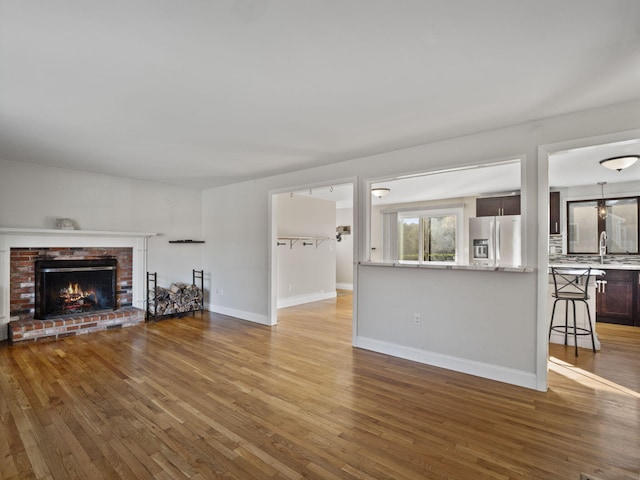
<point>152,297</point>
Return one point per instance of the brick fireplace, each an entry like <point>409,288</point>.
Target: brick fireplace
<point>20,249</point>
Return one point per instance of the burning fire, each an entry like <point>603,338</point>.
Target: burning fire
<point>74,295</point>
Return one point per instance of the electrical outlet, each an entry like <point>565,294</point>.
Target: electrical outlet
<point>416,319</point>
<point>219,291</point>
<point>290,287</point>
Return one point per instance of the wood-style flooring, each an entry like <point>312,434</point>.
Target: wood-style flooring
<point>209,397</point>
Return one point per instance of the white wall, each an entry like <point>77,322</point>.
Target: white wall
<point>305,273</point>
<point>33,196</point>
<point>344,250</point>
<point>508,344</point>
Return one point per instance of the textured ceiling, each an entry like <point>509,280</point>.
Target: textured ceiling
<point>210,93</point>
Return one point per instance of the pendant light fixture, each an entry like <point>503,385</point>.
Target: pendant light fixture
<point>619,163</point>
<point>602,206</point>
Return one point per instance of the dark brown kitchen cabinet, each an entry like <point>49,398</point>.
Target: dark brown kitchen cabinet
<point>636,318</point>
<point>617,299</point>
<point>554,213</point>
<point>496,206</point>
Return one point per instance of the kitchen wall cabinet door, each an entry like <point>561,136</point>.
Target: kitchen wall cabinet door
<point>511,205</point>
<point>616,299</point>
<point>554,213</point>
<point>497,206</point>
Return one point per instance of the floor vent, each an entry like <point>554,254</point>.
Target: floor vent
<point>584,476</point>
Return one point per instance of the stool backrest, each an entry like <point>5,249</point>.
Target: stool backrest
<point>571,281</point>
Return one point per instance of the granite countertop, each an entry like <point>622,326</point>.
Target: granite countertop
<point>599,266</point>
<point>454,266</point>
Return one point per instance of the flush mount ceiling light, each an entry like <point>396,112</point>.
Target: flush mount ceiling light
<point>619,163</point>
<point>380,191</point>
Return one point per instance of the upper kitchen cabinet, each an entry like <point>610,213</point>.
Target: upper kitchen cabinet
<point>497,206</point>
<point>554,213</point>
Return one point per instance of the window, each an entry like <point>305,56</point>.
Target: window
<point>428,237</point>
<point>583,226</point>
<point>621,225</point>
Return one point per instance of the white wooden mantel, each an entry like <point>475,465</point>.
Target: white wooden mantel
<point>52,238</point>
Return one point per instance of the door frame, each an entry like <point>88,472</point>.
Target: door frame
<point>544,152</point>
<point>273,239</point>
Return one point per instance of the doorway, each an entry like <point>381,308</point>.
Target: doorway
<point>575,177</point>
<point>313,247</point>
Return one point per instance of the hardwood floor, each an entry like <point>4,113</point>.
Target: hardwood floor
<point>212,397</point>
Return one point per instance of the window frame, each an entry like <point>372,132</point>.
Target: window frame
<point>602,222</point>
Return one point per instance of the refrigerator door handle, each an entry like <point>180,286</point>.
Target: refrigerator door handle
<point>497,241</point>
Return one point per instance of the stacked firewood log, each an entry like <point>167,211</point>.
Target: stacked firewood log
<point>179,298</point>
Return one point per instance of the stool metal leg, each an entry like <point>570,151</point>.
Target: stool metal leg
<point>575,327</point>
<point>553,313</point>
<point>566,321</point>
<point>593,340</point>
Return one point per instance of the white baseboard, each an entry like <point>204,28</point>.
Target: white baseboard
<point>344,286</point>
<point>242,315</point>
<point>307,298</point>
<point>479,369</point>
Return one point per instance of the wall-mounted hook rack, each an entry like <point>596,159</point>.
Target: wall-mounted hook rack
<point>306,241</point>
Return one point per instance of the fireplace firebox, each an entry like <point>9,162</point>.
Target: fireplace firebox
<point>69,287</point>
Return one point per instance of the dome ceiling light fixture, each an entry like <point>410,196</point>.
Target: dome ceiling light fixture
<point>619,163</point>
<point>380,191</point>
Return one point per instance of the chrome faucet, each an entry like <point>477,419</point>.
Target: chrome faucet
<point>603,245</point>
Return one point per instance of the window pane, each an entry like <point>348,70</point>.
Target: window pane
<point>583,227</point>
<point>440,239</point>
<point>409,239</point>
<point>622,226</point>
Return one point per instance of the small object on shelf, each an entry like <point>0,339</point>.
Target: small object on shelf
<point>186,241</point>
<point>65,224</point>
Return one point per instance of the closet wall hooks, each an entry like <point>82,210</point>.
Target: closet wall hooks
<point>306,241</point>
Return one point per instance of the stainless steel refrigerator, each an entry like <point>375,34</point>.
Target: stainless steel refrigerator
<point>495,241</point>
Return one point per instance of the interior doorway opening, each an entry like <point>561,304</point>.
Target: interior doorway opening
<point>313,248</point>
<point>575,176</point>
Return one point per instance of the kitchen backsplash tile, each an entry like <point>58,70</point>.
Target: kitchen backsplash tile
<point>556,256</point>
<point>555,244</point>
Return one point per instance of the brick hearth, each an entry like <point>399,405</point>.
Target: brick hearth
<point>24,328</point>
<point>23,331</point>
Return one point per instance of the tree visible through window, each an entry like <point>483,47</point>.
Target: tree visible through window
<point>428,238</point>
<point>410,239</point>
<point>440,239</point>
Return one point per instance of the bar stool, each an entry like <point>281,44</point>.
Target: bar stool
<point>571,285</point>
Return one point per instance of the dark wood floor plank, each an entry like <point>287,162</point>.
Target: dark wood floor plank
<point>209,397</point>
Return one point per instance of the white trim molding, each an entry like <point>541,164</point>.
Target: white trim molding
<point>306,298</point>
<point>479,369</point>
<point>239,314</point>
